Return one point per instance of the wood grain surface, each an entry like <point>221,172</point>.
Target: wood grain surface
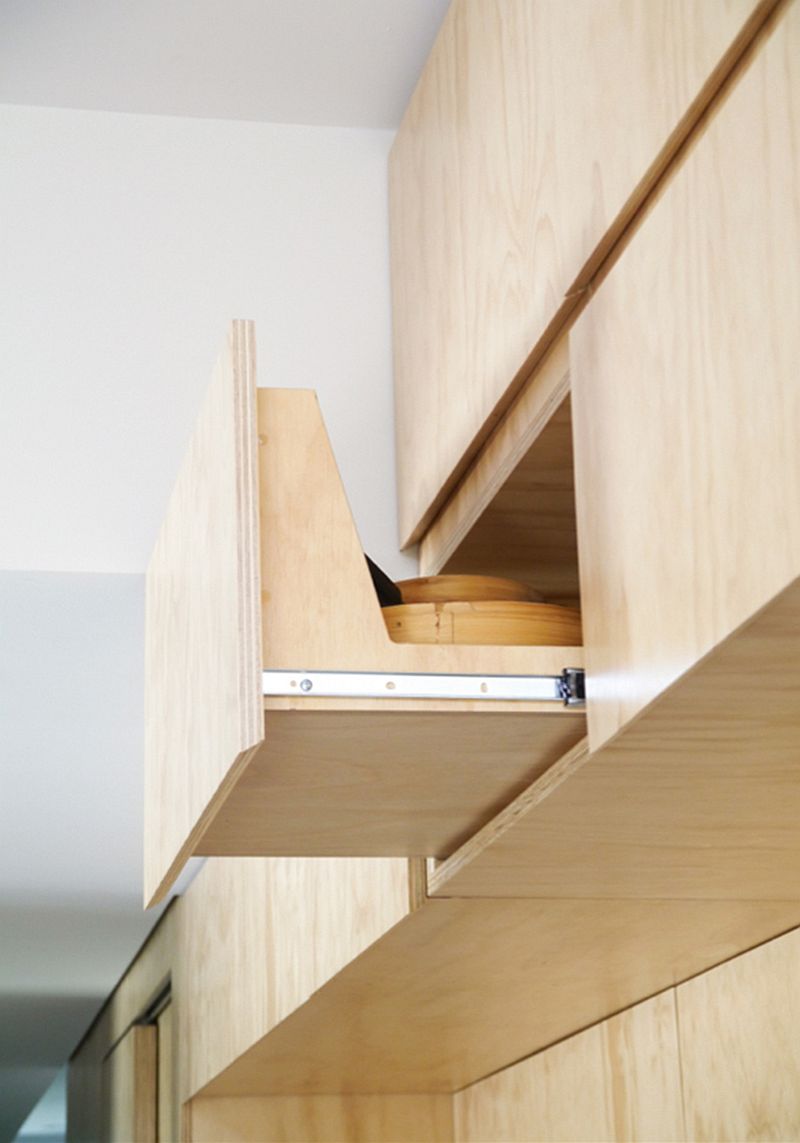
<point>383,782</point>
<point>535,133</point>
<point>202,641</point>
<point>462,988</point>
<point>740,1050</point>
<point>619,1080</point>
<point>131,1083</point>
<point>323,1119</point>
<point>686,406</point>
<point>257,937</point>
<point>698,798</point>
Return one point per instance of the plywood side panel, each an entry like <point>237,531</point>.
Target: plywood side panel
<point>202,645</point>
<point>740,1050</point>
<point>257,937</point>
<point>686,405</point>
<point>618,1081</point>
<point>323,1119</point>
<point>462,988</point>
<point>131,1081</point>
<point>168,1130</point>
<point>698,798</point>
<point>349,783</point>
<point>514,512</point>
<point>534,134</point>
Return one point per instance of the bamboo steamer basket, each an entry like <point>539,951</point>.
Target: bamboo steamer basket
<point>485,622</point>
<point>464,588</point>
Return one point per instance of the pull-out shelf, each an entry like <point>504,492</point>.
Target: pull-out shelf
<point>258,584</point>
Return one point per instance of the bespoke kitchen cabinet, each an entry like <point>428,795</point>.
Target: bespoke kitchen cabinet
<point>627,444</point>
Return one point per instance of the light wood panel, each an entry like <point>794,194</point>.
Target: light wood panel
<point>534,134</point>
<point>698,798</point>
<point>338,782</point>
<point>141,984</point>
<point>257,937</point>
<point>740,1050</point>
<point>461,988</point>
<point>320,610</point>
<point>513,514</point>
<point>168,1131</point>
<point>202,646</point>
<point>619,1080</point>
<point>323,1119</point>
<point>686,402</point>
<point>131,1079</point>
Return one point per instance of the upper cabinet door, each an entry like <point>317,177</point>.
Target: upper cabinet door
<point>537,128</point>
<point>686,401</point>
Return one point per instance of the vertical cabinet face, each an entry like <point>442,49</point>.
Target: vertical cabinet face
<point>131,1086</point>
<point>534,133</point>
<point>686,402</point>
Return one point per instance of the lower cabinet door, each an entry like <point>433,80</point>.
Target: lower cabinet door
<point>686,401</point>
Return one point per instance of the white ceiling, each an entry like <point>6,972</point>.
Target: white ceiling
<point>96,413</point>
<point>347,63</point>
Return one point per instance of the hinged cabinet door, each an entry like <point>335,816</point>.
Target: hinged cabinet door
<point>686,399</point>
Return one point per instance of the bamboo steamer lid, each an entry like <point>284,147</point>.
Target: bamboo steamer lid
<point>464,588</point>
<point>485,622</point>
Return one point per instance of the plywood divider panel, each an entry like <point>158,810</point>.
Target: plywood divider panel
<point>513,514</point>
<point>462,988</point>
<point>619,1080</point>
<point>323,1119</point>
<point>535,134</point>
<point>698,798</point>
<point>320,610</point>
<point>203,706</point>
<point>686,406</point>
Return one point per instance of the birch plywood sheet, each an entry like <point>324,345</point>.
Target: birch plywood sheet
<point>617,1081</point>
<point>740,1049</point>
<point>686,402</point>
<point>383,782</point>
<point>202,648</point>
<point>698,798</point>
<point>535,133</point>
<point>462,988</point>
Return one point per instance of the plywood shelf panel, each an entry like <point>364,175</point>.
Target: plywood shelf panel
<point>462,988</point>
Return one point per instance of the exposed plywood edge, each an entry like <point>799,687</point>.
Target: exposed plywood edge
<point>565,314</point>
<point>203,703</point>
<point>541,789</point>
<point>508,444</point>
<point>686,134</point>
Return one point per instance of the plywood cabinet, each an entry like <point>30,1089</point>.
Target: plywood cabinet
<point>259,568</point>
<point>535,133</point>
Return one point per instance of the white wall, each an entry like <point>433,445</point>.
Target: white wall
<point>129,241</point>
